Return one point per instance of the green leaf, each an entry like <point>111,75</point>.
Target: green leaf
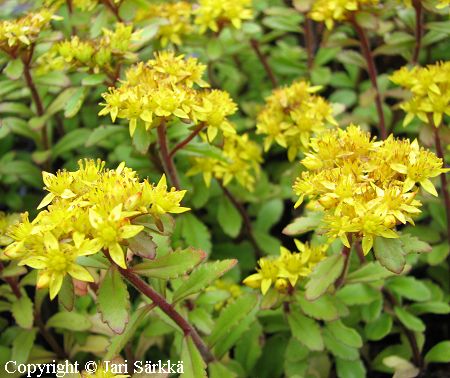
<point>390,254</point>
<point>142,138</point>
<point>202,150</point>
<point>118,342</point>
<point>323,275</point>
<point>306,330</point>
<point>412,244</point>
<point>73,105</point>
<point>172,265</point>
<point>22,310</point>
<point>337,348</point>
<point>232,316</point>
<point>438,254</point>
<point>350,369</point>
<point>93,80</point>
<point>379,328</point>
<point>322,308</point>
<point>409,320</point>
<point>69,320</point>
<point>60,101</point>
<point>14,69</point>
<point>23,170</point>
<point>358,294</point>
<point>103,133</point>
<point>72,140</point>
<point>269,214</point>
<point>113,301</point>
<point>66,295</point>
<point>304,224</point>
<point>143,245</point>
<point>346,335</point>
<point>202,277</point>
<point>229,218</point>
<point>194,366</point>
<point>440,353</point>
<point>267,243</point>
<point>248,348</point>
<point>194,232</point>
<point>430,308</point>
<point>372,271</point>
<point>219,370</point>
<point>22,345</point>
<point>410,288</point>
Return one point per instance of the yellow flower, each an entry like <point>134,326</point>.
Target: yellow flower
<point>285,270</point>
<point>6,222</point>
<point>292,115</point>
<point>177,17</point>
<point>215,14</point>
<point>23,32</point>
<point>331,11</point>
<point>430,92</point>
<point>364,187</point>
<point>89,210</point>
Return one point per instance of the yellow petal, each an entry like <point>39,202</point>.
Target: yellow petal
<point>80,273</point>
<point>428,186</point>
<point>116,253</point>
<point>55,284</point>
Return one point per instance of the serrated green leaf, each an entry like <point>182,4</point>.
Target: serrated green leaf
<point>322,308</point>
<point>409,287</point>
<point>337,348</point>
<point>390,254</point>
<point>248,347</point>
<point>171,265</point>
<point>113,301</point>
<point>69,320</point>
<point>358,294</point>
<point>306,330</point>
<point>231,316</point>
<point>202,277</point>
<point>22,310</point>
<point>323,275</point>
<point>412,244</point>
<point>193,364</point>
<point>194,232</point>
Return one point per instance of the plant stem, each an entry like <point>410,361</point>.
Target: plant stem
<point>12,283</point>
<point>168,309</point>
<point>417,357</point>
<point>417,4</point>
<point>360,252</point>
<point>309,41</point>
<point>443,177</point>
<point>346,252</point>
<point>35,95</point>
<point>263,59</point>
<point>372,70</point>
<point>113,9</point>
<point>184,142</point>
<point>48,336</point>
<point>167,160</point>
<point>245,218</point>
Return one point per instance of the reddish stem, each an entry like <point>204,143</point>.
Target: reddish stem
<point>184,142</point>
<point>263,59</point>
<point>417,4</point>
<point>346,252</point>
<point>12,282</point>
<point>372,70</point>
<point>309,41</point>
<point>443,177</point>
<point>169,166</point>
<point>245,218</point>
<point>113,8</point>
<point>168,309</point>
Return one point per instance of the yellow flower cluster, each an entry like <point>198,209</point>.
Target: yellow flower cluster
<point>177,17</point>
<point>23,32</point>
<point>215,14</point>
<point>365,187</point>
<point>89,210</point>
<point>292,115</point>
<point>430,89</point>
<point>6,221</point>
<point>83,5</point>
<point>240,160</point>
<point>165,88</point>
<point>230,290</point>
<point>285,271</point>
<point>331,11</point>
<point>103,54</point>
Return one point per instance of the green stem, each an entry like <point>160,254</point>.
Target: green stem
<point>346,252</point>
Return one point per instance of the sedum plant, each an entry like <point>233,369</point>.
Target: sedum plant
<point>224,188</point>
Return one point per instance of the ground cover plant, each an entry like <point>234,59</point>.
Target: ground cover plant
<point>224,188</point>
